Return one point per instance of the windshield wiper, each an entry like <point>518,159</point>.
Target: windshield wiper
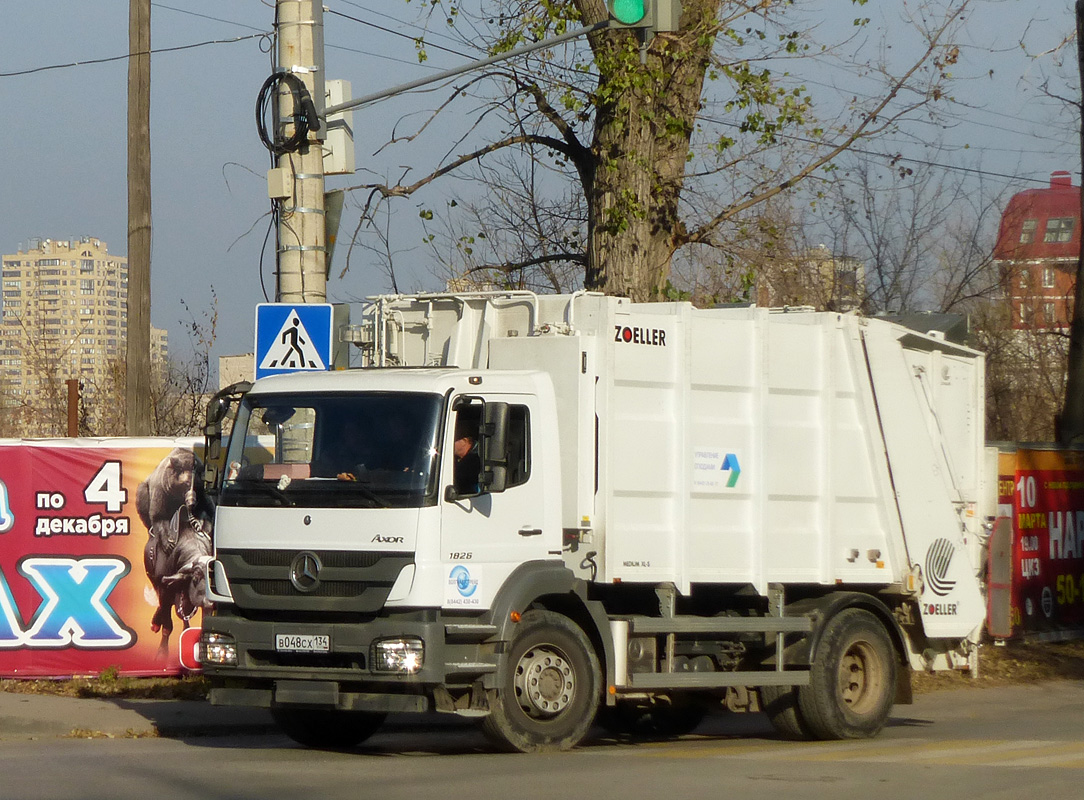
<point>368,494</point>
<point>267,487</point>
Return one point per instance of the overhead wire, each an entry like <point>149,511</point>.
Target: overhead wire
<point>861,151</point>
<point>206,16</point>
<point>397,21</point>
<point>429,45</point>
<point>890,156</point>
<point>814,82</point>
<point>126,56</point>
<point>264,34</point>
<point>407,36</point>
<point>1000,114</point>
<point>382,57</point>
<point>258,35</point>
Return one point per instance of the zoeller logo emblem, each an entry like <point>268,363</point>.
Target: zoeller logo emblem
<point>655,337</point>
<point>305,571</point>
<point>938,559</point>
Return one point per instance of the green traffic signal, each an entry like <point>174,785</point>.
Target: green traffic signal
<point>627,12</point>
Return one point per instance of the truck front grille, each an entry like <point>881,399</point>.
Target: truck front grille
<point>349,581</point>
<point>330,558</point>
<point>325,589</point>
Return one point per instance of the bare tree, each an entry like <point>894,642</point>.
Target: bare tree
<point>763,260</point>
<point>179,390</point>
<point>661,163</point>
<point>924,236</point>
<point>1025,375</point>
<point>517,237</point>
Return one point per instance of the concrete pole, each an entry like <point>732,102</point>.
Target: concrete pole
<point>138,372</point>
<point>302,233</point>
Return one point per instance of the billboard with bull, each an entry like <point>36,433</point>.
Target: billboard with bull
<point>102,544</point>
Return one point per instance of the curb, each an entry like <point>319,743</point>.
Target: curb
<point>29,716</point>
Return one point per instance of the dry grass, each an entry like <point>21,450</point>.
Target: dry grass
<point>110,684</point>
<point>83,733</point>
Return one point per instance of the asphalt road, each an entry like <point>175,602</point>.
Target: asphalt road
<point>1020,742</point>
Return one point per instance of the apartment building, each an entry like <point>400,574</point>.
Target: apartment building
<point>816,277</point>
<point>64,316</point>
<point>1037,251</point>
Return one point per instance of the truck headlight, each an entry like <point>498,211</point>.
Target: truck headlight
<point>397,655</point>
<point>218,648</point>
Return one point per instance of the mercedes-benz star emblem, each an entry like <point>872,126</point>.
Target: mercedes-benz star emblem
<point>305,571</point>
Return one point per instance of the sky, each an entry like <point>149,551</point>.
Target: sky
<point>65,148</point>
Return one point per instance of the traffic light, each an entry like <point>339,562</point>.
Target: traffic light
<point>628,12</point>
<point>651,16</point>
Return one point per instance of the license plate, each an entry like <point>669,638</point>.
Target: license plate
<point>302,643</point>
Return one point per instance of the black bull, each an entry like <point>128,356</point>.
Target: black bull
<point>178,517</point>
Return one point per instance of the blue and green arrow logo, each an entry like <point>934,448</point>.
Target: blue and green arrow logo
<point>731,463</point>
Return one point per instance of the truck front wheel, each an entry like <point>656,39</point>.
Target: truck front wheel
<point>852,679</point>
<point>550,687</point>
<point>325,728</point>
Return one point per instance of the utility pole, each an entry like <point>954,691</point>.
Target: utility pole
<point>73,406</point>
<point>138,373</point>
<point>297,182</point>
<point>302,231</point>
<point>1070,423</point>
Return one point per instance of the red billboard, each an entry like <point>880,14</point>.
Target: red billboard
<point>102,547</point>
<point>1044,491</point>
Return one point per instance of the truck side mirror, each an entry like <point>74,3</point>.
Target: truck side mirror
<point>494,447</point>
<point>217,410</point>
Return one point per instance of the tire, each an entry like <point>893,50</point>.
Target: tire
<point>660,720</point>
<point>320,728</point>
<point>852,679</point>
<point>551,683</point>
<point>780,703</point>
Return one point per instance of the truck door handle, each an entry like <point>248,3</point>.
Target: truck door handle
<point>530,531</point>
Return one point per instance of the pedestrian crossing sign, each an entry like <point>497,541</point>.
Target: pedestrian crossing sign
<point>293,338</point>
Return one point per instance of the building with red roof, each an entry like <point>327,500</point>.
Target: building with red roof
<point>1037,252</point>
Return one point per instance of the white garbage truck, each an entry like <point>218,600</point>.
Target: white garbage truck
<point>551,511</point>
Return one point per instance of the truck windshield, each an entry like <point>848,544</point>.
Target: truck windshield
<point>371,450</point>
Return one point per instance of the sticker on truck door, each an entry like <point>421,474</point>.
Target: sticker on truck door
<point>715,469</point>
<point>463,586</point>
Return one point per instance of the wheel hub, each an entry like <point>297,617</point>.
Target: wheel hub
<point>858,677</point>
<point>544,681</point>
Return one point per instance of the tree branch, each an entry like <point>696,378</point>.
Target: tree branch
<point>865,129</point>
<point>399,190</point>
<point>574,258</point>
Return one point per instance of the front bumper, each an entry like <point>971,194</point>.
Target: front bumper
<point>317,694</point>
<point>456,656</point>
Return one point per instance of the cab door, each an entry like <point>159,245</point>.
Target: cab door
<point>485,536</point>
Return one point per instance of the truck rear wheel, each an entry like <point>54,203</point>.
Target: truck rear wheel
<point>550,688</point>
<point>325,728</point>
<point>780,703</point>
<point>852,679</point>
